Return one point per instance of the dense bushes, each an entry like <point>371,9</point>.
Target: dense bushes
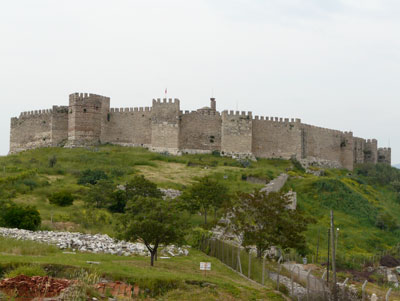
<point>18,216</point>
<point>92,177</point>
<point>61,198</point>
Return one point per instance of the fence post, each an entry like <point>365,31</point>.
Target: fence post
<point>363,290</point>
<point>308,285</point>
<point>388,294</point>
<point>263,271</point>
<point>222,251</point>
<point>233,257</point>
<point>249,269</point>
<point>277,278</point>
<point>291,280</point>
<point>344,288</point>
<point>239,263</point>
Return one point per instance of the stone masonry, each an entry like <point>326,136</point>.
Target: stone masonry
<point>89,120</point>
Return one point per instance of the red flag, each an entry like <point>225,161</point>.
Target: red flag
<point>165,90</point>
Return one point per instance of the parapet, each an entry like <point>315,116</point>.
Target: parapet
<point>237,114</point>
<point>77,97</point>
<point>166,101</point>
<point>130,110</point>
<point>36,113</point>
<point>277,119</point>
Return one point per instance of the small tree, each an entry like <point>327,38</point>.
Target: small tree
<point>153,220</point>
<point>140,186</point>
<point>100,194</point>
<point>265,220</point>
<point>207,193</point>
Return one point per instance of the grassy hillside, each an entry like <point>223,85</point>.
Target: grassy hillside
<point>365,203</point>
<point>170,279</point>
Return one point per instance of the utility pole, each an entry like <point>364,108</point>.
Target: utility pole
<point>333,257</point>
<point>327,266</point>
<point>316,260</point>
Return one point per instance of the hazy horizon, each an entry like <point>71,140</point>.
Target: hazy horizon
<point>333,64</point>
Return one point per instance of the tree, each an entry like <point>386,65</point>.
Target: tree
<point>207,193</point>
<point>140,186</point>
<point>62,198</point>
<point>154,221</point>
<point>100,194</point>
<point>265,220</point>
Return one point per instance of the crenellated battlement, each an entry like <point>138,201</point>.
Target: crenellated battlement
<point>36,113</point>
<point>76,97</point>
<point>89,120</point>
<point>131,110</point>
<point>166,101</point>
<point>232,113</point>
<point>277,119</point>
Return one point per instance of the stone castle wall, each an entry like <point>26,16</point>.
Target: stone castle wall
<point>89,120</point>
<point>276,137</point>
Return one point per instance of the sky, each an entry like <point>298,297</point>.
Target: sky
<point>334,64</point>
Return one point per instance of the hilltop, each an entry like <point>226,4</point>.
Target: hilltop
<point>365,201</point>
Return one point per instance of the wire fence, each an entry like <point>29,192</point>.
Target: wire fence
<point>287,277</point>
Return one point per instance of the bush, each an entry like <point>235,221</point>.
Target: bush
<point>27,270</point>
<point>92,177</point>
<point>18,216</point>
<point>61,198</point>
<point>196,235</point>
<point>53,161</point>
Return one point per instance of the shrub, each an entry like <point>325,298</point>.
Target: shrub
<point>52,161</point>
<point>18,216</point>
<point>27,270</point>
<point>196,235</point>
<point>61,198</point>
<point>92,177</point>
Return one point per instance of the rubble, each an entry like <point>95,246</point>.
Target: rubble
<point>36,286</point>
<point>97,243</point>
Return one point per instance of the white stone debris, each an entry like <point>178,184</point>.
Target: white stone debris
<point>97,243</point>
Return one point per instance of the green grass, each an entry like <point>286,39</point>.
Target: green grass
<point>175,276</point>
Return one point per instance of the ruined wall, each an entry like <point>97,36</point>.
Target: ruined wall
<point>276,137</point>
<point>385,155</point>
<point>87,114</point>
<point>328,144</point>
<point>59,125</point>
<point>200,131</point>
<point>236,133</point>
<point>30,130</point>
<point>165,125</point>
<point>128,126</point>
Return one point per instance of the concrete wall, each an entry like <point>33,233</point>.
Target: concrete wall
<point>276,138</point>
<point>237,132</point>
<point>31,130</point>
<point>128,126</point>
<point>200,131</point>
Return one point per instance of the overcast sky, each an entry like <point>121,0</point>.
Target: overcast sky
<point>334,64</point>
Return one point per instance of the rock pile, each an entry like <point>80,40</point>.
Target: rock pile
<point>98,243</point>
<point>36,286</point>
<point>171,193</point>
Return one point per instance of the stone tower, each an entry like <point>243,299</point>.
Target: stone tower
<point>86,116</point>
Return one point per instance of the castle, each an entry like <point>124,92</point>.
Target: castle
<point>89,120</point>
